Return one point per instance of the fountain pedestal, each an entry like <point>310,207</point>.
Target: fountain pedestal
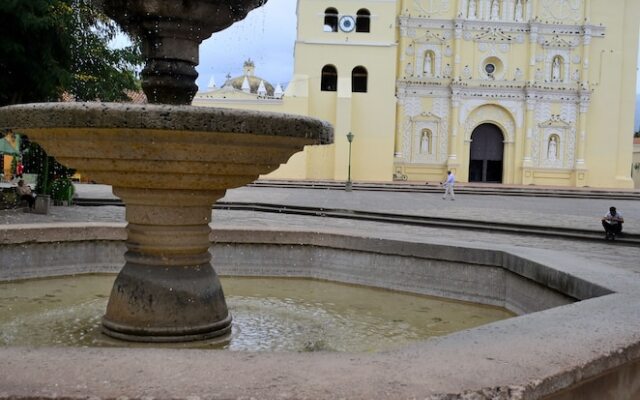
<point>167,289</point>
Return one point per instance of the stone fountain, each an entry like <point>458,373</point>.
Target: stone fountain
<point>168,163</point>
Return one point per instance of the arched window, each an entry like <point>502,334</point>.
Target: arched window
<point>329,81</point>
<point>330,20</point>
<point>359,79</point>
<point>363,20</point>
<point>557,69</point>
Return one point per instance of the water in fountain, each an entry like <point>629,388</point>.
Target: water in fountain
<point>271,314</point>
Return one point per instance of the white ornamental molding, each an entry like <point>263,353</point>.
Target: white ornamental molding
<point>466,72</point>
<point>406,138</point>
<point>418,154</point>
<point>426,23</point>
<point>409,50</point>
<point>493,35</point>
<point>555,121</point>
<point>576,59</point>
<point>571,147</point>
<point>442,108</point>
<point>575,76</point>
<point>516,108</point>
<point>569,113</point>
<point>542,112</point>
<point>490,113</point>
<point>561,10</point>
<point>552,155</point>
<point>550,55</point>
<point>408,69</point>
<point>421,70</point>
<point>560,153</point>
<point>448,51</point>
<point>412,107</point>
<point>570,30</point>
<point>407,89</point>
<point>557,42</point>
<point>432,8</point>
<point>431,37</point>
<point>585,100</point>
<point>518,75</point>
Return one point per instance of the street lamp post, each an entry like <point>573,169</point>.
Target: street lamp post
<point>348,185</point>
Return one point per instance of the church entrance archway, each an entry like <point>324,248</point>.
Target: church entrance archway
<point>487,150</point>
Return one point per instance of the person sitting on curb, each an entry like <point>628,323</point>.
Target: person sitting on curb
<point>24,191</point>
<point>612,223</point>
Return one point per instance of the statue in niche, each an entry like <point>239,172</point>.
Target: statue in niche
<point>428,64</point>
<point>555,70</point>
<point>425,142</point>
<point>552,149</point>
<point>495,10</point>
<point>519,16</point>
<point>472,9</point>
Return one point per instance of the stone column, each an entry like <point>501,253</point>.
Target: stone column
<point>399,144</point>
<point>533,45</point>
<point>586,48</point>
<point>167,267</point>
<point>581,164</point>
<point>457,38</point>
<point>452,160</point>
<point>527,162</point>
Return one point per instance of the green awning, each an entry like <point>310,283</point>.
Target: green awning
<point>6,148</point>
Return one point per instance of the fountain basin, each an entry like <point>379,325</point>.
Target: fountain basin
<point>587,348</point>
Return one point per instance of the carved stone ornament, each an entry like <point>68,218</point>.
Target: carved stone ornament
<point>490,113</point>
<point>431,8</point>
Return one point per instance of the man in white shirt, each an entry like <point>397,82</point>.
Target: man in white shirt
<point>448,186</point>
<point>612,223</point>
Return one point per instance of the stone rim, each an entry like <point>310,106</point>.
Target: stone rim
<point>165,117</point>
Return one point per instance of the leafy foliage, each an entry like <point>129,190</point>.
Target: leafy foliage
<point>35,60</point>
<point>48,47</point>
<point>51,47</point>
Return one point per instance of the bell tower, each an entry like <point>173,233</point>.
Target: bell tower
<point>345,67</point>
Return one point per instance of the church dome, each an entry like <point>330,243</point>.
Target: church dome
<point>249,82</point>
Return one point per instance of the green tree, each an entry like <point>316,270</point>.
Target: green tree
<point>51,47</point>
<point>48,47</point>
<point>35,60</point>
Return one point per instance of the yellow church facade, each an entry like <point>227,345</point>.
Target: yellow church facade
<point>513,91</point>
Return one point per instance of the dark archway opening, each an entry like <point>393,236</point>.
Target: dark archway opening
<point>487,150</point>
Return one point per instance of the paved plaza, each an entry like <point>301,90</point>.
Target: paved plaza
<point>579,213</point>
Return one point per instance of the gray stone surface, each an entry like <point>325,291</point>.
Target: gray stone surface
<point>126,116</point>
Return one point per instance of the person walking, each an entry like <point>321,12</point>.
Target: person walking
<point>612,223</point>
<point>448,186</point>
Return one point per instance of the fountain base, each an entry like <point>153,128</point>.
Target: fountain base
<point>166,304</point>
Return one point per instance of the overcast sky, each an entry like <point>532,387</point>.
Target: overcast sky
<point>266,36</point>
